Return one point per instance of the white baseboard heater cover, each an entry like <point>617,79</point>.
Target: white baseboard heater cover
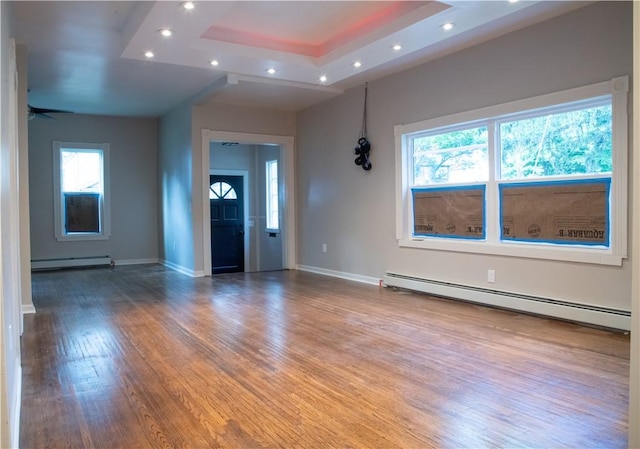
<point>70,262</point>
<point>583,313</point>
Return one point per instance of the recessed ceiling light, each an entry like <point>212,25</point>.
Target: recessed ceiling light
<point>513,1</point>
<point>396,47</point>
<point>323,79</point>
<point>357,64</point>
<point>188,5</point>
<point>149,54</point>
<point>214,62</point>
<point>166,32</point>
<point>447,26</point>
<point>271,71</point>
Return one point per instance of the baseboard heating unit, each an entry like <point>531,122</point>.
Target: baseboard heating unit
<point>70,262</point>
<point>583,313</point>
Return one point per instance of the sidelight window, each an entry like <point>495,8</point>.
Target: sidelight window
<point>272,199</point>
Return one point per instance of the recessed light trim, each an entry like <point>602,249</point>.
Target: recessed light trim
<point>148,54</point>
<point>447,26</point>
<point>166,32</point>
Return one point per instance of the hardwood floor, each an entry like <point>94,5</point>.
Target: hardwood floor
<point>137,357</point>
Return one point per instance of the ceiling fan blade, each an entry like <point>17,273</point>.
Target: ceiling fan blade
<point>36,111</point>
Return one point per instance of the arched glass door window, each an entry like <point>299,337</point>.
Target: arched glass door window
<point>222,191</point>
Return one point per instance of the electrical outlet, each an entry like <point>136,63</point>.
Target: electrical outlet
<point>324,247</point>
<point>491,276</point>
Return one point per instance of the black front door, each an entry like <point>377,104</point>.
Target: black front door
<point>227,223</point>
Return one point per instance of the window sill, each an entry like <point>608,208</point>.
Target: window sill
<point>521,250</point>
<point>81,237</point>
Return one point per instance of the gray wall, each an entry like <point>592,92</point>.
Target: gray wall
<point>353,211</point>
<point>133,176</point>
<point>175,174</point>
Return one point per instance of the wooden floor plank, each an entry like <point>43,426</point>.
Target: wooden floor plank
<point>137,357</point>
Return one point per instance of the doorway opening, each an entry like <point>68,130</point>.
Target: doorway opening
<point>246,239</point>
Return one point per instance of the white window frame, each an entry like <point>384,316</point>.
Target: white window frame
<point>269,203</point>
<point>58,202</point>
<point>617,88</point>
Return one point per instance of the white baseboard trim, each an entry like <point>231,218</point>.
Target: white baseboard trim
<point>340,274</point>
<point>70,262</point>
<point>582,313</point>
<point>181,269</point>
<point>28,309</point>
<point>135,261</point>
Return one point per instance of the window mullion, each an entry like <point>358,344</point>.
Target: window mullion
<point>492,218</point>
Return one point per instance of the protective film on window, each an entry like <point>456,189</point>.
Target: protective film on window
<point>574,212</point>
<point>82,212</point>
<point>452,212</point>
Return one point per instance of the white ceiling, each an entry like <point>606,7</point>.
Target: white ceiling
<point>88,57</point>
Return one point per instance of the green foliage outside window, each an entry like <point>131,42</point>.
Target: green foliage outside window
<point>569,143</point>
<point>457,156</point>
<point>577,142</point>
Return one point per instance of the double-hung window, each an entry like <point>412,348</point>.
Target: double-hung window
<point>81,193</point>
<point>544,177</point>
